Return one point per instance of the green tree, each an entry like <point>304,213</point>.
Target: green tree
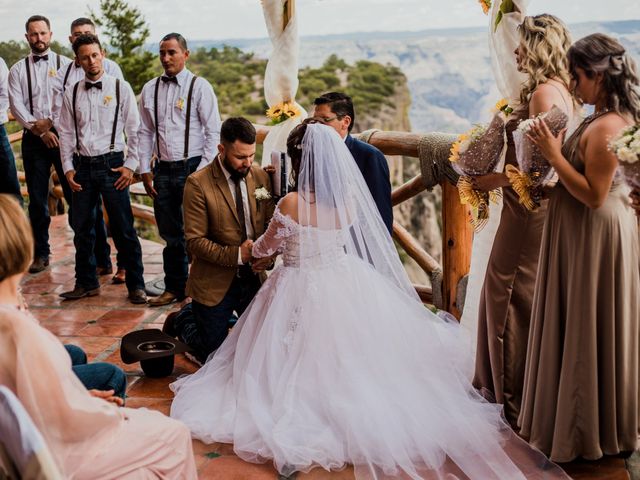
<point>127,31</point>
<point>13,51</point>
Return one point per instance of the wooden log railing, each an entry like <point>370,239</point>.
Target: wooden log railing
<point>448,279</point>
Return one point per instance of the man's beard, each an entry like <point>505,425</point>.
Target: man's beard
<point>235,174</point>
<point>35,47</point>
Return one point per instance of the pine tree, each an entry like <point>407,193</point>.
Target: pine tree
<point>127,31</point>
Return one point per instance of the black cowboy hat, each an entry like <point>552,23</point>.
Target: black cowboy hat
<point>154,350</point>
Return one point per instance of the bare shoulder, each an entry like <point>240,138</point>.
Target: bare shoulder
<point>607,126</point>
<point>289,205</point>
<point>545,96</point>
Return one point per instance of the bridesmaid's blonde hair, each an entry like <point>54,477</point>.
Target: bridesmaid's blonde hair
<point>16,239</point>
<point>544,43</point>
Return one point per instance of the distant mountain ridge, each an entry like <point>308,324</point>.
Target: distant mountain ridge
<point>448,70</point>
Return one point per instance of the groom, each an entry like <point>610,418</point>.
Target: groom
<point>226,207</point>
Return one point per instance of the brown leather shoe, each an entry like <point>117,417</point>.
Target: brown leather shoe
<point>39,264</point>
<point>137,296</point>
<point>80,292</point>
<point>164,299</point>
<point>104,270</point>
<point>119,277</point>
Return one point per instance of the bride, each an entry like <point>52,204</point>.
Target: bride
<point>336,362</point>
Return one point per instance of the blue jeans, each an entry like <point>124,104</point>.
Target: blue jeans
<point>98,375</point>
<point>8,173</point>
<point>37,159</point>
<point>207,327</point>
<point>168,181</point>
<point>97,179</point>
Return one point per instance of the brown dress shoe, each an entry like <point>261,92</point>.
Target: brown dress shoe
<point>39,264</point>
<point>137,296</point>
<point>119,277</point>
<point>80,292</point>
<point>104,270</point>
<point>164,299</point>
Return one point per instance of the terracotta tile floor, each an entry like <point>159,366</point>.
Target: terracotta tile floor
<point>97,324</point>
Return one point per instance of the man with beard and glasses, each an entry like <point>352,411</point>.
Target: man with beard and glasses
<point>227,205</point>
<point>96,114</point>
<point>30,97</point>
<point>180,124</point>
<point>67,77</point>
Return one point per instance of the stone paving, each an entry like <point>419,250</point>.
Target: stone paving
<point>97,323</point>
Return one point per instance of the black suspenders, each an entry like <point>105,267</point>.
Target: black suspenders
<point>112,146</point>
<point>26,60</point>
<point>66,76</point>
<point>187,121</point>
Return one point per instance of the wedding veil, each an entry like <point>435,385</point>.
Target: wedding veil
<point>334,198</point>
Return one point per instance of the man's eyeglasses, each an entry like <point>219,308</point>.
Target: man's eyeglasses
<point>327,119</point>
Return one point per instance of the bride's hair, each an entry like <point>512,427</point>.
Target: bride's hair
<point>294,150</point>
<point>599,53</point>
<point>544,42</point>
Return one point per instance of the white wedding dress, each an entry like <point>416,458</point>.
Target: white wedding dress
<point>336,362</point>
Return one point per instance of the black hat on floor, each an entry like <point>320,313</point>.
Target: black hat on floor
<point>154,350</point>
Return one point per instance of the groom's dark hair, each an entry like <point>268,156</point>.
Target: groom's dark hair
<point>339,103</point>
<point>237,128</point>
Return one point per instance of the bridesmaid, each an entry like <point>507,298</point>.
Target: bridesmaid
<point>507,292</point>
<point>580,394</point>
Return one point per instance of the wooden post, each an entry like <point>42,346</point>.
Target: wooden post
<point>457,237</point>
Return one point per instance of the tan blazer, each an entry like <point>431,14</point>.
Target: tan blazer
<point>212,229</point>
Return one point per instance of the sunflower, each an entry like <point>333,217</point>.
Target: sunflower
<point>486,6</point>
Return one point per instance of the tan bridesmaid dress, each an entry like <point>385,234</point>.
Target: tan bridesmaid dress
<point>580,395</point>
<point>507,293</point>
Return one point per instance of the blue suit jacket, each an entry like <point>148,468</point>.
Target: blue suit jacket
<point>375,170</point>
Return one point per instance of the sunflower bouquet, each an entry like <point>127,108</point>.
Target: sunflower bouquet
<point>476,153</point>
<point>626,146</point>
<point>283,111</point>
<point>534,171</point>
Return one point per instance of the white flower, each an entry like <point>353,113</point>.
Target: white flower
<point>525,125</point>
<point>261,194</point>
<point>627,155</point>
<point>637,134</point>
<point>635,145</point>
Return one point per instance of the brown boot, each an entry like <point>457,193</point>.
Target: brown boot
<point>39,264</point>
<point>164,299</point>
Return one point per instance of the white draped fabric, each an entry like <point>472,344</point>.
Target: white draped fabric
<point>502,44</point>
<point>281,75</point>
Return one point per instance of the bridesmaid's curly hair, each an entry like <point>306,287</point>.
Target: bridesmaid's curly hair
<point>599,53</point>
<point>544,42</point>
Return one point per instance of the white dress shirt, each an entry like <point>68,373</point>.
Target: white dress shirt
<point>74,76</point>
<point>4,92</point>
<point>204,129</point>
<point>42,75</point>
<point>245,203</point>
<point>95,111</point>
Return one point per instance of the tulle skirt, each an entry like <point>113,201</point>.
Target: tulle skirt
<point>336,366</point>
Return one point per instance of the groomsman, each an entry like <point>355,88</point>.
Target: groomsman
<point>67,77</point>
<point>95,114</point>
<point>181,126</point>
<point>8,174</point>
<point>30,97</point>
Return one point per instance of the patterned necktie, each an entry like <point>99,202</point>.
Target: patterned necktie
<point>240,208</point>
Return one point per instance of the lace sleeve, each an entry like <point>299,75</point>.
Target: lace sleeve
<point>273,240</point>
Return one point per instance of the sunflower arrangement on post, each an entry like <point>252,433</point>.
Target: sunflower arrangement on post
<point>281,75</point>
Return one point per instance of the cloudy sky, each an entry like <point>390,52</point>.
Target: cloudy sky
<point>225,19</point>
